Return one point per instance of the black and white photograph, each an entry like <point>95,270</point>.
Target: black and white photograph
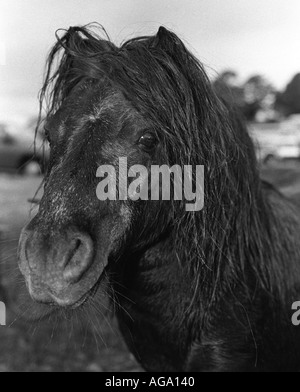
<point>149,188</point>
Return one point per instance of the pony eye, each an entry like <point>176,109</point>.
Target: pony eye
<point>148,141</point>
<point>47,135</point>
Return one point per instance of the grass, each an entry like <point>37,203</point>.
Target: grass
<point>68,342</point>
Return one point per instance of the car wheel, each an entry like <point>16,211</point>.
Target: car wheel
<point>269,159</point>
<point>31,168</point>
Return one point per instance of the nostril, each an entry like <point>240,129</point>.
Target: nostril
<point>73,252</point>
<point>80,258</point>
<point>25,260</point>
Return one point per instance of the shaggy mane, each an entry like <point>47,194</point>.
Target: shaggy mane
<point>233,237</point>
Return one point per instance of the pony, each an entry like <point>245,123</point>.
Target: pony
<point>203,291</point>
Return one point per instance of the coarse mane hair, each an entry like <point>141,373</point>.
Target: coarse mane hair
<point>235,239</point>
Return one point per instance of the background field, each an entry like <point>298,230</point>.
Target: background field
<point>64,342</point>
<point>68,342</point>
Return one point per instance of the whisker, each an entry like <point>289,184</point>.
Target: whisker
<point>98,310</point>
<point>9,241</point>
<point>97,327</point>
<point>3,261</point>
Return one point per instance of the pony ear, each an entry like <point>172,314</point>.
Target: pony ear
<point>168,41</point>
<point>172,45</point>
<point>188,65</point>
<point>80,40</point>
<point>82,50</point>
<point>75,54</point>
<point>163,35</point>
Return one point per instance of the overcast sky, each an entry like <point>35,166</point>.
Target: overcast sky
<point>250,36</point>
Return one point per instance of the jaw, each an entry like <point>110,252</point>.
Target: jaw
<point>49,288</point>
<point>67,267</point>
<point>44,296</point>
<point>70,302</point>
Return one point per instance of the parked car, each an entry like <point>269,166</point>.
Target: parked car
<point>291,124</point>
<point>18,155</point>
<point>279,143</point>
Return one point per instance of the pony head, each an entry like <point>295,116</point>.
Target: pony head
<point>151,102</point>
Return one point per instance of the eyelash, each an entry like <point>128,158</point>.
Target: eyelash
<point>47,135</point>
<point>151,139</point>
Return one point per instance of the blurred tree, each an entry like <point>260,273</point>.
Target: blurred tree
<point>5,136</point>
<point>255,98</point>
<point>3,128</point>
<point>259,98</point>
<point>32,124</point>
<point>288,102</point>
<point>227,87</point>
